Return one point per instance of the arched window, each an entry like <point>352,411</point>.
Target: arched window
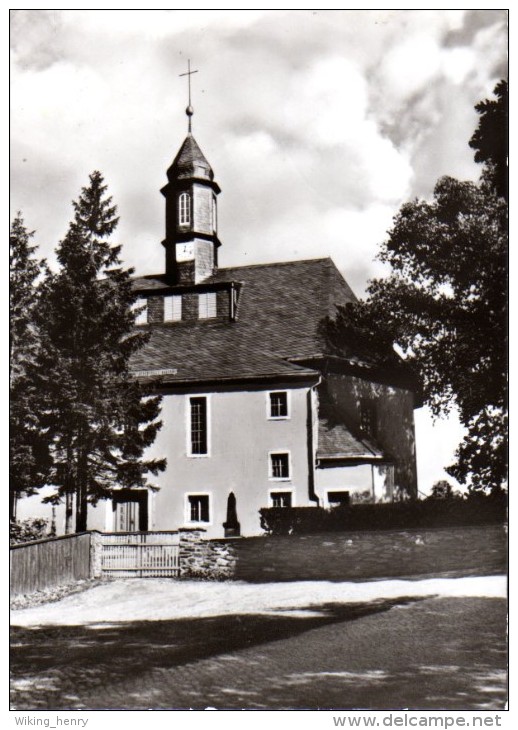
<point>184,209</point>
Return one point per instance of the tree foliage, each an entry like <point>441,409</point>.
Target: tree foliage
<point>444,303</point>
<point>34,528</point>
<point>491,139</point>
<point>28,453</point>
<point>443,490</point>
<point>98,419</point>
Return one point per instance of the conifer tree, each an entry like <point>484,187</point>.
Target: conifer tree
<point>28,455</point>
<point>98,417</point>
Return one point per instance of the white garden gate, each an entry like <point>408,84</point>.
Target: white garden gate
<point>140,554</point>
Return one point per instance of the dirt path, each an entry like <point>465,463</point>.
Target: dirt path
<point>164,599</point>
<point>293,650</point>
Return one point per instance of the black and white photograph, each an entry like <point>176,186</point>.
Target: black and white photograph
<point>258,346</point>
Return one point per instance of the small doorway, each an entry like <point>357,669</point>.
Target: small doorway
<point>130,512</point>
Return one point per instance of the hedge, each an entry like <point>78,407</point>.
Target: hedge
<point>475,510</point>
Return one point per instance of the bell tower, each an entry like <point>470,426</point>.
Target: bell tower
<point>191,240</point>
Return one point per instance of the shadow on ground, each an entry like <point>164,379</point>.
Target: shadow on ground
<point>60,667</point>
<point>429,653</point>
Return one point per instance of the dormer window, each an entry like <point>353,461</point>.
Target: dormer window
<point>173,308</point>
<point>141,316</point>
<point>207,306</point>
<point>184,209</point>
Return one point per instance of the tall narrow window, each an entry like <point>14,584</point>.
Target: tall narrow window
<point>214,216</point>
<point>198,425</point>
<point>184,209</point>
<point>141,316</point>
<point>172,308</point>
<point>207,306</point>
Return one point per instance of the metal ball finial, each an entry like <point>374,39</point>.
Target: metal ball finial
<point>189,111</point>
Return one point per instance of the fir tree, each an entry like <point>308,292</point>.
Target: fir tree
<point>28,455</point>
<point>99,419</point>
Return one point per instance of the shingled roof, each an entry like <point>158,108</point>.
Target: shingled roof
<point>336,442</point>
<point>279,312</point>
<point>190,162</point>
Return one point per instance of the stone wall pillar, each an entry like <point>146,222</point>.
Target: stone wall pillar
<point>95,554</point>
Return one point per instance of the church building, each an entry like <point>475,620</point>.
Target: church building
<point>257,410</point>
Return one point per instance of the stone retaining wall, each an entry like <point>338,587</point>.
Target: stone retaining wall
<point>201,558</point>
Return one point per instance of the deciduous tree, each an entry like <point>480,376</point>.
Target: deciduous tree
<point>444,303</point>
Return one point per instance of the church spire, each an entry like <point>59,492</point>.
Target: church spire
<point>191,241</point>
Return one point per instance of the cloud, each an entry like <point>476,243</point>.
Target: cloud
<point>410,65</point>
<point>302,114</point>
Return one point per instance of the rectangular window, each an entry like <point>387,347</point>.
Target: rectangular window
<point>279,404</point>
<point>198,508</point>
<point>368,417</point>
<point>207,305</point>
<point>198,425</point>
<point>280,499</point>
<point>141,317</point>
<point>280,466</point>
<point>338,499</point>
<point>172,309</point>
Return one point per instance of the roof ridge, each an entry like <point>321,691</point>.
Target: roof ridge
<point>220,269</point>
<point>278,263</point>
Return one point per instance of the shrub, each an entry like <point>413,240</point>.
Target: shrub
<point>35,528</point>
<point>477,509</point>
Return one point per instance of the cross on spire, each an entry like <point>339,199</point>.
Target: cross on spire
<point>189,111</point>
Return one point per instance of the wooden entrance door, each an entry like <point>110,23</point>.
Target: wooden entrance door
<point>130,510</point>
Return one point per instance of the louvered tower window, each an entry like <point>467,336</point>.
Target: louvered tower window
<point>184,209</point>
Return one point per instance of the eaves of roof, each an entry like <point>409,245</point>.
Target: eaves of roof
<point>397,374</point>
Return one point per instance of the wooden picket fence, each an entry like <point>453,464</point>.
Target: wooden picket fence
<point>140,554</point>
<point>51,562</point>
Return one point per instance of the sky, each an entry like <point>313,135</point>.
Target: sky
<point>318,125</point>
